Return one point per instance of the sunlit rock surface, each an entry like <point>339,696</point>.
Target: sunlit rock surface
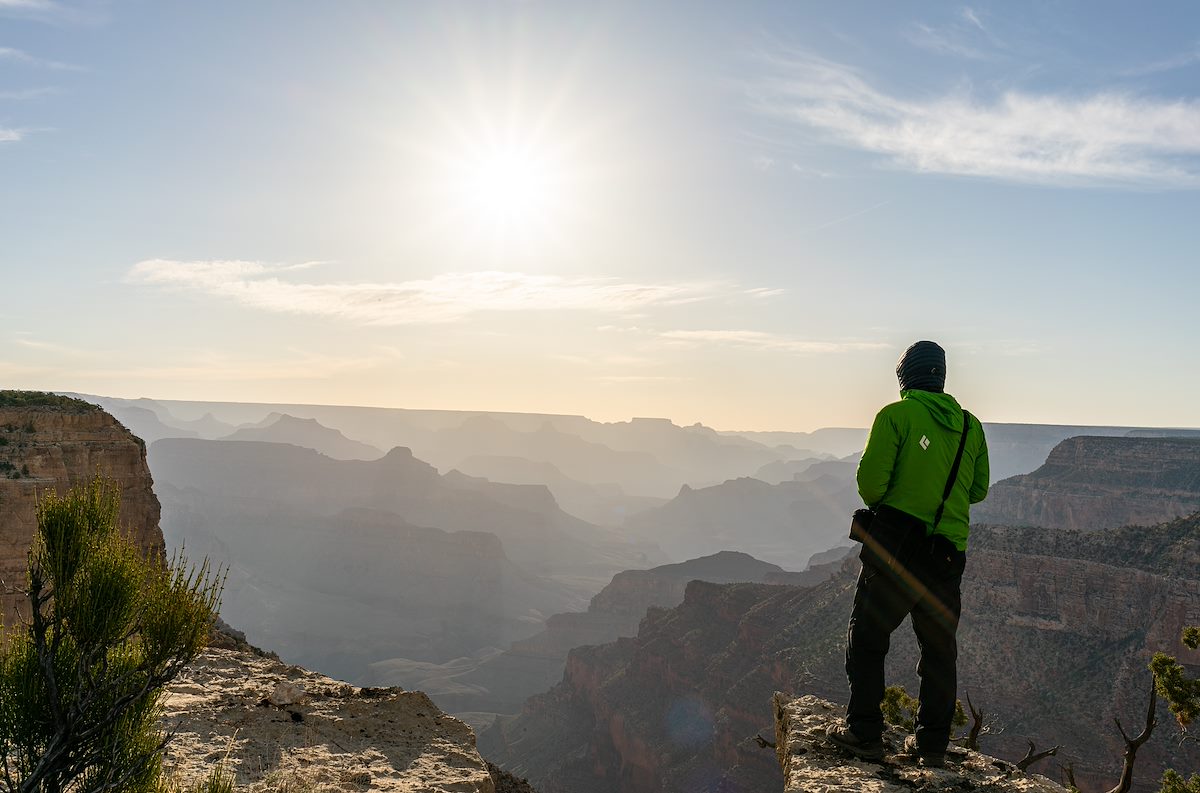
<point>811,764</point>
<point>281,726</point>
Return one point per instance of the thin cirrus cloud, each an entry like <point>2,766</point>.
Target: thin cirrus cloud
<point>753,339</point>
<point>1180,61</point>
<point>447,297</point>
<point>1107,138</point>
<point>21,56</point>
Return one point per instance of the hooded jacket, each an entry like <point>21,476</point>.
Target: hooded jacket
<point>908,458</point>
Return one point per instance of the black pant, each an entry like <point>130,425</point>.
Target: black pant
<point>927,585</point>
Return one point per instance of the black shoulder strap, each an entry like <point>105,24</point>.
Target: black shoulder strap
<point>962,444</point>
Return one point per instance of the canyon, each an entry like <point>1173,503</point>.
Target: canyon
<point>1092,482</point>
<point>273,726</point>
<point>677,707</point>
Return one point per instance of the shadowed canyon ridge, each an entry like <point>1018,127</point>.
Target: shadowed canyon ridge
<point>639,651</point>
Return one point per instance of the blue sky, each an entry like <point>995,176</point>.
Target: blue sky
<point>738,214</point>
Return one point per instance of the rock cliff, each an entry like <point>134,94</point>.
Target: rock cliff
<point>812,765</point>
<point>1101,482</point>
<point>1057,630</point>
<point>54,442</point>
<point>784,524</point>
<point>295,729</point>
<point>309,433</point>
<point>502,682</point>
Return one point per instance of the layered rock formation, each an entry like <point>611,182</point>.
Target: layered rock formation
<point>606,505</point>
<point>812,765</point>
<point>259,476</point>
<point>53,442</point>
<point>287,728</point>
<point>309,433</point>
<point>1057,631</point>
<point>500,683</point>
<point>1101,482</point>
<point>784,524</point>
<point>341,564</point>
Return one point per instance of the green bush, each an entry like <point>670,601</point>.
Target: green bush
<point>23,399</point>
<point>1174,783</point>
<point>1182,694</point>
<point>108,628</point>
<point>900,709</point>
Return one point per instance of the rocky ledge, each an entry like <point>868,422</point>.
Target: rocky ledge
<point>811,764</point>
<point>279,727</point>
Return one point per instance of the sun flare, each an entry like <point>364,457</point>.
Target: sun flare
<point>509,188</point>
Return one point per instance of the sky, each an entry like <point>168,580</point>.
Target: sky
<point>732,213</point>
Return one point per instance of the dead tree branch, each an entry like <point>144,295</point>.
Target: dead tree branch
<point>1133,744</point>
<point>976,725</point>
<point>1069,772</point>
<point>1033,756</point>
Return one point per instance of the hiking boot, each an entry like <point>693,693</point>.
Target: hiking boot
<point>847,741</point>
<point>926,757</point>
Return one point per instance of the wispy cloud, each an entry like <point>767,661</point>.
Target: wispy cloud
<point>27,93</point>
<point>11,135</point>
<point>21,56</point>
<point>444,298</point>
<point>625,379</point>
<point>1106,138</point>
<point>754,339</point>
<point>1180,61</point>
<point>968,14</point>
<point>947,41</point>
<point>44,11</point>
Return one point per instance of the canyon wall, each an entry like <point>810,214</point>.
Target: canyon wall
<point>49,442</point>
<point>1101,482</point>
<point>1054,644</point>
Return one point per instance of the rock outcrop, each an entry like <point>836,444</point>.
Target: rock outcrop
<point>309,433</point>
<point>338,564</point>
<point>784,523</point>
<point>812,765</point>
<point>268,722</point>
<point>53,442</point>
<point>1092,483</point>
<point>502,682</point>
<point>1057,631</point>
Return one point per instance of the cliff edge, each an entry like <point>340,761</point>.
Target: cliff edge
<point>283,726</point>
<point>54,442</point>
<point>811,764</point>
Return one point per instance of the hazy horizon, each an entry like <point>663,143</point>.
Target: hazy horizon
<point>200,410</point>
<point>738,215</point>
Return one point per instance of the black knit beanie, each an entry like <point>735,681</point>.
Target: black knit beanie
<point>922,366</point>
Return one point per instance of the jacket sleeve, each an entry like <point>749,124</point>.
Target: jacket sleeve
<point>979,484</point>
<point>878,460</point>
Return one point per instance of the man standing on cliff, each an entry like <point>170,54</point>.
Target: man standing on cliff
<point>914,558</point>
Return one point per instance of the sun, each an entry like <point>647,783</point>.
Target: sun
<point>509,189</point>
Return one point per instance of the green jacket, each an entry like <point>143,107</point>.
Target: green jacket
<point>908,458</point>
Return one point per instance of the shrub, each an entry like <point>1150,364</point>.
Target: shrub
<point>107,629</point>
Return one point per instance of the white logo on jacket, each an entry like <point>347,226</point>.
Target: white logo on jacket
<point>924,442</point>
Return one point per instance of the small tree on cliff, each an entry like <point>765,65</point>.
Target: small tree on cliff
<point>1182,694</point>
<point>108,627</point>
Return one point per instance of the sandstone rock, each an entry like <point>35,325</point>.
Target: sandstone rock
<point>1090,483</point>
<point>1057,631</point>
<point>812,765</point>
<point>339,738</point>
<point>500,683</point>
<point>51,442</point>
<point>285,694</point>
